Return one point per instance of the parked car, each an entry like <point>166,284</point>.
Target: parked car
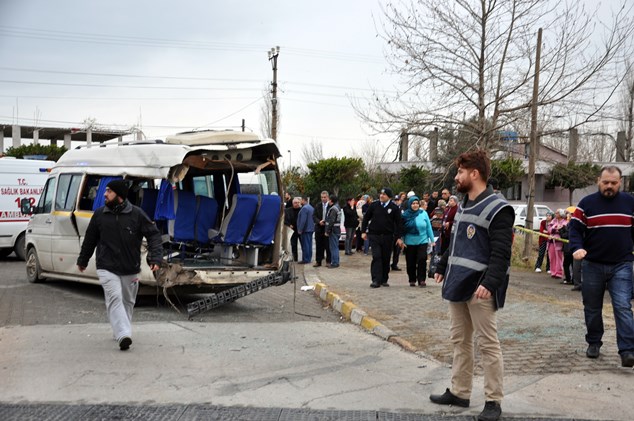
<point>538,216</point>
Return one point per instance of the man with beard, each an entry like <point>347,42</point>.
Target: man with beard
<point>475,271</point>
<point>600,234</point>
<point>117,230</point>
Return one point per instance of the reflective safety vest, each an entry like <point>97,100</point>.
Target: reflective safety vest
<point>471,250</point>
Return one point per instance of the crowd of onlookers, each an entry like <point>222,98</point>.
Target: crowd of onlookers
<point>554,245</point>
<point>425,226</point>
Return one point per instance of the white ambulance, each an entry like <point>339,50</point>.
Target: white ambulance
<point>214,195</point>
<point>20,179</point>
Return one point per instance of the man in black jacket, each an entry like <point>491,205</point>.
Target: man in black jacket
<point>117,230</point>
<point>475,271</point>
<point>383,225</point>
<point>321,241</point>
<point>290,220</point>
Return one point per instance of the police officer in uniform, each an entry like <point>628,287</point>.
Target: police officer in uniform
<point>475,271</point>
<point>383,225</point>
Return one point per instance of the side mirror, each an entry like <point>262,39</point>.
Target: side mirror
<point>25,206</point>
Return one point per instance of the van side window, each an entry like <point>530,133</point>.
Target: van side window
<point>67,190</point>
<point>45,205</point>
<point>88,193</point>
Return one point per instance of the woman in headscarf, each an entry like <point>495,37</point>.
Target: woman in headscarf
<point>556,248</point>
<point>418,235</point>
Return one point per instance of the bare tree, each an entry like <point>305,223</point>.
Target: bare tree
<point>371,153</point>
<point>312,151</point>
<point>627,111</point>
<point>266,114</point>
<point>470,63</point>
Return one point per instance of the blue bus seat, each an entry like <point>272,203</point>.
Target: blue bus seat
<point>206,215</point>
<point>239,220</point>
<point>148,201</point>
<point>263,231</point>
<point>184,223</point>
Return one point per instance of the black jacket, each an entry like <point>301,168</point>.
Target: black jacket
<point>290,217</point>
<point>319,215</point>
<point>351,219</point>
<point>379,220</point>
<point>118,235</point>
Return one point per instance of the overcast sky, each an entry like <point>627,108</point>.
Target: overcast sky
<point>171,66</point>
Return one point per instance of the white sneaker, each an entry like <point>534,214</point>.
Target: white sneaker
<point>538,270</point>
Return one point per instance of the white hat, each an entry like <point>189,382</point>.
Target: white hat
<point>410,194</point>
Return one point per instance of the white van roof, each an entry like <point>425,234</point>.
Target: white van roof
<point>9,164</point>
<point>153,159</point>
<point>212,137</point>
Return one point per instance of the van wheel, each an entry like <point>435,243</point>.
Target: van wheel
<point>33,269</point>
<point>20,247</point>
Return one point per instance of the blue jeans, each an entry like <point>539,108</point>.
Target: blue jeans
<point>333,242</point>
<point>617,278</point>
<point>306,241</point>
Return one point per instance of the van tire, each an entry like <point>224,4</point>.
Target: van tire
<point>20,247</point>
<point>33,269</point>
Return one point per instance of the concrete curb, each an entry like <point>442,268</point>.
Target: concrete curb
<point>350,312</point>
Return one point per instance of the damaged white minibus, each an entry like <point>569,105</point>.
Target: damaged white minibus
<point>215,195</point>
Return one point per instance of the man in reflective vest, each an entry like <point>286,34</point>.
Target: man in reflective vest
<point>475,271</point>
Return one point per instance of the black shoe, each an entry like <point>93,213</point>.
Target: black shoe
<point>333,266</point>
<point>576,288</point>
<point>385,285</point>
<point>593,351</point>
<point>449,398</point>
<point>396,268</point>
<point>627,359</point>
<point>316,265</point>
<point>566,282</point>
<point>491,412</point>
<point>412,284</point>
<point>124,343</point>
<point>373,285</point>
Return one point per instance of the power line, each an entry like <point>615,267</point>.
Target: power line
<point>124,98</point>
<point>50,71</point>
<point>82,37</point>
<point>97,85</point>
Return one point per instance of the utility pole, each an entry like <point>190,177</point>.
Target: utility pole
<point>273,54</point>
<point>532,157</point>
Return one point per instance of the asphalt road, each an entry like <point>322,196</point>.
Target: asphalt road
<point>66,302</point>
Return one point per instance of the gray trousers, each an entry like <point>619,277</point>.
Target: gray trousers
<point>120,293</point>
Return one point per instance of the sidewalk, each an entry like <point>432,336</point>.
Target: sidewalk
<point>541,329</point>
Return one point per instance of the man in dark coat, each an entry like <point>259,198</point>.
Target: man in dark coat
<point>321,241</point>
<point>383,225</point>
<point>117,230</point>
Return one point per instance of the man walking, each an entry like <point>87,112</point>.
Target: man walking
<point>321,242</point>
<point>601,236</point>
<point>383,225</point>
<point>305,229</point>
<point>117,230</point>
<point>475,271</point>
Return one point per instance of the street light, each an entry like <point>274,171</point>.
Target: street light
<point>290,160</point>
